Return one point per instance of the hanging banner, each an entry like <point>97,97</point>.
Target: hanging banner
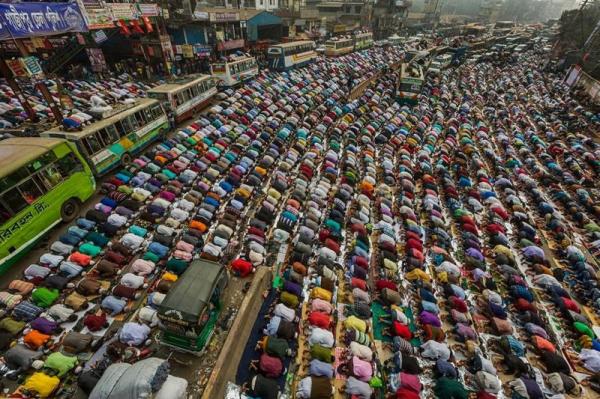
<point>22,20</point>
<point>33,66</point>
<point>224,16</point>
<point>202,51</point>
<point>187,50</point>
<point>148,24</point>
<point>92,3</point>
<point>124,10</point>
<point>100,18</point>
<point>124,29</point>
<point>38,43</point>
<point>97,60</point>
<point>17,67</point>
<point>167,48</point>
<point>148,10</point>
<point>99,36</point>
<point>135,25</point>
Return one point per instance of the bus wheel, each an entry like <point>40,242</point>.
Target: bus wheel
<point>125,159</point>
<point>69,210</point>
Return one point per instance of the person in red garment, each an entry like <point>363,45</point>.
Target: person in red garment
<point>241,267</point>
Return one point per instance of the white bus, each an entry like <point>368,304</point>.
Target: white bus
<point>363,40</point>
<point>186,96</point>
<point>113,141</point>
<point>339,46</point>
<point>234,71</point>
<point>289,55</point>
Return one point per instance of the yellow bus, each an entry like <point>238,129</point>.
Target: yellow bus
<point>339,46</point>
<point>186,96</point>
<point>284,56</point>
<point>234,71</point>
<point>363,40</point>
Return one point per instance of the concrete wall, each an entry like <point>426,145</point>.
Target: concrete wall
<point>226,366</point>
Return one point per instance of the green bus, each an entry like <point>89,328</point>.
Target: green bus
<point>189,312</point>
<point>112,141</point>
<point>410,83</point>
<point>42,181</point>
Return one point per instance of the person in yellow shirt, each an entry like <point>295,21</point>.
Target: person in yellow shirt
<point>321,293</point>
<point>417,274</point>
<point>353,322</point>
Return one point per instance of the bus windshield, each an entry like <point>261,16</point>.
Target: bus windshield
<point>410,87</point>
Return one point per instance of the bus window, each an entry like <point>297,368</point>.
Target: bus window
<point>91,144</point>
<point>156,112</point>
<point>14,200</point>
<point>194,90</point>
<point>132,122</point>
<point>148,115</point>
<point>123,127</point>
<point>51,176</point>
<point>112,132</point>
<point>139,116</point>
<point>42,161</point>
<point>30,190</point>
<point>180,99</point>
<point>105,137</point>
<point>14,178</point>
<point>4,213</point>
<point>69,164</point>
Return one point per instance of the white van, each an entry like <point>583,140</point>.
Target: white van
<point>439,63</point>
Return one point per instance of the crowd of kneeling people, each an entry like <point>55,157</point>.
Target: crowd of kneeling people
<point>178,201</point>
<point>473,213</point>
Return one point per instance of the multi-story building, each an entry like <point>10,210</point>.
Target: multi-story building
<point>388,17</point>
<point>342,16</point>
<point>488,10</point>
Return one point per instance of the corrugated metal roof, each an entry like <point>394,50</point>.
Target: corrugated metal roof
<point>264,18</point>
